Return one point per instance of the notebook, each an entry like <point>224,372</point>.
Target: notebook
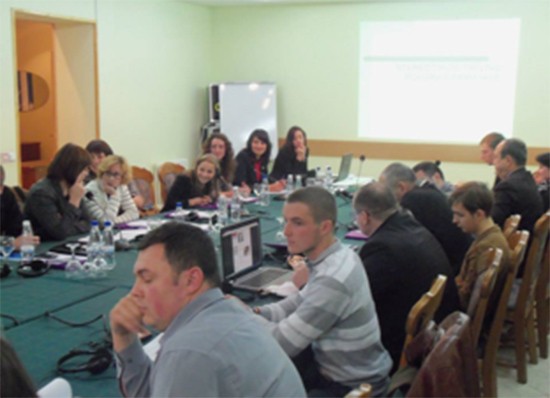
<point>345,165</point>
<point>241,252</point>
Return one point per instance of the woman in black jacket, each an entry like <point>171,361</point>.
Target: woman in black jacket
<point>54,204</point>
<point>252,163</point>
<point>198,188</point>
<point>292,157</point>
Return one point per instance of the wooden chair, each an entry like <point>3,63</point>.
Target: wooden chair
<point>521,313</point>
<point>511,225</point>
<point>142,182</point>
<point>167,174</point>
<point>518,244</point>
<point>542,298</point>
<point>482,292</point>
<point>423,312</point>
<point>419,319</point>
<point>442,362</point>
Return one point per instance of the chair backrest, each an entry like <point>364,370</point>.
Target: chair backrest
<point>423,312</point>
<point>167,174</point>
<point>511,225</point>
<point>541,291</point>
<point>518,244</point>
<point>482,292</point>
<point>526,295</point>
<point>450,369</point>
<point>142,182</point>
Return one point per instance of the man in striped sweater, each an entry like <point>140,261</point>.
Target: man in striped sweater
<point>330,327</point>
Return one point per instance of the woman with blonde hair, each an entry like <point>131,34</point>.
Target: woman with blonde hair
<point>199,187</point>
<point>108,197</point>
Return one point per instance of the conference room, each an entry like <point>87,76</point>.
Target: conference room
<point>137,75</point>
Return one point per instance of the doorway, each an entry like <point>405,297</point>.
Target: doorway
<point>57,88</point>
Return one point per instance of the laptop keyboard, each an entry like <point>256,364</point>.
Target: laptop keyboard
<point>263,278</point>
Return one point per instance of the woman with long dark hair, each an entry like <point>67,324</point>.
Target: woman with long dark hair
<point>252,162</point>
<point>54,204</point>
<point>292,157</point>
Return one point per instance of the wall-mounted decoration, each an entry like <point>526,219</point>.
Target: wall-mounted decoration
<point>33,91</point>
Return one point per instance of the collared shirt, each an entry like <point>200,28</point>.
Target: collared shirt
<point>214,347</point>
<point>335,314</point>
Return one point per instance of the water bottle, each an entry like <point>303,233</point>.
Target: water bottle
<point>222,210</point>
<point>235,205</point>
<point>298,184</point>
<point>319,176</point>
<point>328,179</point>
<point>108,247</point>
<point>95,264</point>
<point>179,210</point>
<point>27,245</point>
<point>290,184</point>
<point>264,193</point>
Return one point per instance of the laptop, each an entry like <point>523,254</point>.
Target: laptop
<point>241,253</point>
<point>345,165</point>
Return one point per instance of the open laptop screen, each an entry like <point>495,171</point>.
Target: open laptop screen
<point>241,245</point>
<point>345,165</point>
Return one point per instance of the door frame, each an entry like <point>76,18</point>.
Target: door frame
<point>56,22</point>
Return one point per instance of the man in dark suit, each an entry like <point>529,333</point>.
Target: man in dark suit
<point>517,192</point>
<point>542,178</point>
<point>402,259</point>
<point>431,208</point>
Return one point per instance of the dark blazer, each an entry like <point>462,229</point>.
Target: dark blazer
<point>51,215</point>
<point>181,191</point>
<point>286,163</point>
<point>245,169</point>
<point>432,209</point>
<point>11,219</point>
<point>517,194</point>
<point>402,259</point>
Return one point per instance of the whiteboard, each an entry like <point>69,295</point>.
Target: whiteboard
<point>244,107</point>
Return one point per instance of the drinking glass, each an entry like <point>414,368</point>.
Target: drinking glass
<point>257,189</point>
<point>73,269</point>
<point>280,235</point>
<point>7,246</point>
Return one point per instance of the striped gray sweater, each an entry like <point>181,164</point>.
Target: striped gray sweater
<point>334,313</point>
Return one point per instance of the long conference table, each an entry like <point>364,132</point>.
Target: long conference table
<point>40,340</point>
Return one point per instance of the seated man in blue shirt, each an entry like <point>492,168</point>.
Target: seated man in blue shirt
<point>330,326</point>
<point>211,346</point>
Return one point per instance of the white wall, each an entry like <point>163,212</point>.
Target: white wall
<point>312,53</point>
<point>156,58</point>
<point>154,61</point>
<point>82,9</point>
<point>154,67</point>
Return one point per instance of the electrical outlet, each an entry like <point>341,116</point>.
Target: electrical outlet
<point>7,157</point>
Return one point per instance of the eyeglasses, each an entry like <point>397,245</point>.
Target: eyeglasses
<point>110,174</point>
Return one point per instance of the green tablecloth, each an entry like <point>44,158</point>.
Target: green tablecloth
<point>41,341</point>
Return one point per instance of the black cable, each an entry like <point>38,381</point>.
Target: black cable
<point>75,324</point>
<point>11,318</point>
